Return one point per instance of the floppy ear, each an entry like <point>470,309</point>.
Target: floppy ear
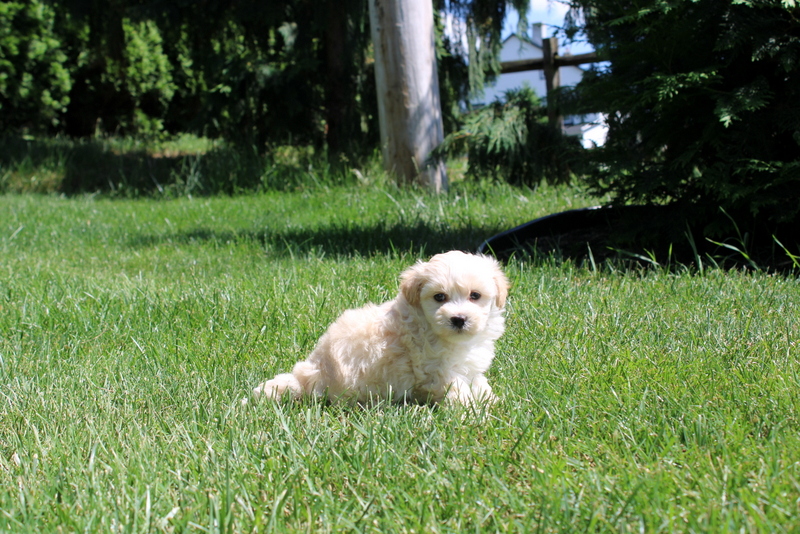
<point>502,287</point>
<point>411,282</point>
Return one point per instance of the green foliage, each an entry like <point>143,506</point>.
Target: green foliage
<point>702,103</point>
<point>260,74</point>
<point>124,78</point>
<point>510,140</point>
<point>34,78</point>
<point>479,23</point>
<point>142,76</point>
<point>147,76</point>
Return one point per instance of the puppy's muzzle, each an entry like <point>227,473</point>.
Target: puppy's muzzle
<point>458,322</point>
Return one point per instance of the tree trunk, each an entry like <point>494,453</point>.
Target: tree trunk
<point>409,106</point>
<point>336,73</point>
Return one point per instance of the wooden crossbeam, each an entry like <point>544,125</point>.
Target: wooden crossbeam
<point>523,65</point>
<point>549,63</point>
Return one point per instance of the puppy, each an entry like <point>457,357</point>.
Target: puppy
<point>432,343</point>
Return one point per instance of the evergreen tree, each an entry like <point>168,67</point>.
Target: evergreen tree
<point>703,104</point>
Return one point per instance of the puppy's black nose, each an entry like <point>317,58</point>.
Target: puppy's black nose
<point>458,321</point>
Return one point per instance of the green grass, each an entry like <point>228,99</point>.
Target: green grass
<point>631,400</point>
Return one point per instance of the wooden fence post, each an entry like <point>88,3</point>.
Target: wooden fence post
<point>552,80</point>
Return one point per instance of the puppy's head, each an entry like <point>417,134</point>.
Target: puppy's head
<point>460,294</point>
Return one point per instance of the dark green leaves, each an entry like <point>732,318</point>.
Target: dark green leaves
<point>704,104</point>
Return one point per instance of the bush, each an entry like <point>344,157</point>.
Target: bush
<point>125,92</point>
<point>146,76</point>
<point>34,80</point>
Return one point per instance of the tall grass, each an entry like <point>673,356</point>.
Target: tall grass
<point>130,330</point>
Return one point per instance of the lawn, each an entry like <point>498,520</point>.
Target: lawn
<point>632,399</point>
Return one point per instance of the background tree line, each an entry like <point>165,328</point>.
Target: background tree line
<point>702,97</point>
<point>284,71</point>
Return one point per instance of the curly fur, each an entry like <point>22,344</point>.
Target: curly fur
<point>420,347</point>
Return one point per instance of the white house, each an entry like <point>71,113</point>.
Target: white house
<point>591,128</point>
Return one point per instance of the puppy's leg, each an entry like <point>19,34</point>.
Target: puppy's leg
<point>304,379</point>
<point>458,392</point>
<point>308,378</point>
<point>276,388</point>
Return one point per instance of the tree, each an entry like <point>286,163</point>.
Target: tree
<point>263,73</point>
<point>282,72</point>
<point>703,104</point>
<point>409,99</point>
<point>407,83</point>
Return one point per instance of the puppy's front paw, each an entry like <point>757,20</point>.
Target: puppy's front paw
<point>485,397</point>
<point>479,392</point>
<point>280,386</point>
<point>482,391</point>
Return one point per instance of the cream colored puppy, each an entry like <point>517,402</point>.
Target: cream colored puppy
<point>434,342</point>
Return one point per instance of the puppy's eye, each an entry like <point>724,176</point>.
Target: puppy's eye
<point>474,296</point>
<point>440,297</point>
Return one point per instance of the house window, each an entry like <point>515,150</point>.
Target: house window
<point>574,120</point>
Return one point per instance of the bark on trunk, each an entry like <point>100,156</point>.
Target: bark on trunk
<point>409,105</point>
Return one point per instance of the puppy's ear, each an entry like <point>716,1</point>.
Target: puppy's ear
<point>411,282</point>
<point>502,287</point>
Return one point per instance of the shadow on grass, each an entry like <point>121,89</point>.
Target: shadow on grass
<point>586,237</point>
<point>657,236</point>
<point>130,169</point>
<point>337,240</point>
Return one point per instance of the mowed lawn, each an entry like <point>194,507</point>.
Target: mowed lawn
<point>632,400</point>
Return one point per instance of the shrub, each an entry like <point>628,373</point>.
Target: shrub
<point>34,81</point>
